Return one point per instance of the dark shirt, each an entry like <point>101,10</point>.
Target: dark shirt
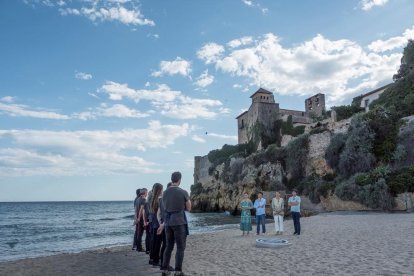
<point>174,199</point>
<point>140,202</point>
<point>136,202</point>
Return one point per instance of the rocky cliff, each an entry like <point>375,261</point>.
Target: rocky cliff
<point>219,188</point>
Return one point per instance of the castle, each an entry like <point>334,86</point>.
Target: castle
<point>266,111</point>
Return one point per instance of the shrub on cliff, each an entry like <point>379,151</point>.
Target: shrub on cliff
<point>315,187</point>
<point>296,157</point>
<point>401,180</point>
<point>196,189</point>
<point>334,149</point>
<point>347,111</point>
<point>347,189</point>
<point>357,154</point>
<point>289,129</point>
<point>385,126</point>
<point>376,195</point>
<point>404,151</point>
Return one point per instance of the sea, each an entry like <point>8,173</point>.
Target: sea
<point>33,229</point>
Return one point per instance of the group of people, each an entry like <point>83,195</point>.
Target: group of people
<point>161,215</point>
<point>278,208</point>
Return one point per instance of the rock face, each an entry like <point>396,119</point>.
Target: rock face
<point>221,188</point>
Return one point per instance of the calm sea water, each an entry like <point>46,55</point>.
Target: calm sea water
<point>45,228</point>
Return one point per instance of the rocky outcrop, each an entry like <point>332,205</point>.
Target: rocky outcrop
<point>220,188</point>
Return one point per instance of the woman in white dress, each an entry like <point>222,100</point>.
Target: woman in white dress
<point>278,206</point>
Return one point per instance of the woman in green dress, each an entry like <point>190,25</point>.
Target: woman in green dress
<point>246,219</point>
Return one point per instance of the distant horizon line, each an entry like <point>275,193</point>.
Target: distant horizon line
<point>56,201</point>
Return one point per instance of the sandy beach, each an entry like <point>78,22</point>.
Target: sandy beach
<point>330,244</point>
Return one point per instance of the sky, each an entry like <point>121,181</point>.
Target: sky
<point>99,98</point>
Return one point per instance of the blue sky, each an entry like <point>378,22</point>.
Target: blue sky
<point>98,98</point>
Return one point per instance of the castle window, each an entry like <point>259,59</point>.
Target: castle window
<point>366,102</point>
<point>242,124</point>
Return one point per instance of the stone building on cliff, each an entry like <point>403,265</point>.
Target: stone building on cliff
<point>266,111</point>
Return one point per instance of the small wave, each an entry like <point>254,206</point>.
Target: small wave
<point>129,217</point>
<point>12,244</point>
<point>100,219</point>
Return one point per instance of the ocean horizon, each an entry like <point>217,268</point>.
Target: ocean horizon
<point>43,228</point>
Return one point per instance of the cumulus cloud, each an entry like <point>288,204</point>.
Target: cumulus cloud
<point>248,2</point>
<point>83,76</point>
<point>210,52</point>
<point>222,136</point>
<point>392,43</point>
<point>123,11</point>
<point>204,80</point>
<point>317,65</point>
<point>19,110</point>
<point>37,152</point>
<point>367,5</point>
<point>240,42</point>
<point>114,111</point>
<point>166,101</point>
<point>178,66</point>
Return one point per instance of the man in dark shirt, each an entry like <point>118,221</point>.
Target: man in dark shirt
<point>139,217</point>
<point>134,245</point>
<point>175,202</point>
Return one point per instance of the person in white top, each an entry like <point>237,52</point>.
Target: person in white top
<point>278,206</point>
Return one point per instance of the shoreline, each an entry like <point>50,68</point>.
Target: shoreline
<point>330,244</point>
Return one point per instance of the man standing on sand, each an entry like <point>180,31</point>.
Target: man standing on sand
<point>139,217</point>
<point>294,203</point>
<point>135,244</point>
<point>260,204</point>
<point>175,202</point>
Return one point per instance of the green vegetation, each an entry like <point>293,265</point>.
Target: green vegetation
<point>289,129</point>
<point>196,188</point>
<point>357,153</point>
<point>334,149</point>
<point>401,180</point>
<point>347,111</point>
<point>296,155</point>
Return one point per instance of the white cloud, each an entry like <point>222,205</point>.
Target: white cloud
<point>210,52</point>
<point>19,110</point>
<point>100,152</point>
<point>246,40</point>
<point>366,5</point>
<point>198,139</point>
<point>178,66</point>
<point>168,102</point>
<point>248,2</point>
<point>380,46</point>
<point>204,79</point>
<point>7,99</point>
<point>222,136</point>
<point>123,11</point>
<point>114,111</point>
<point>319,64</point>
<point>83,76</point>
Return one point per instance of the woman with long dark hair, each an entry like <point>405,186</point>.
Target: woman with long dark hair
<point>156,240</point>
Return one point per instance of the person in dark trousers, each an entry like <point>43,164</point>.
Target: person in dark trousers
<point>156,240</point>
<point>294,203</point>
<point>139,218</point>
<point>161,229</point>
<point>176,201</point>
<point>147,223</point>
<point>135,243</point>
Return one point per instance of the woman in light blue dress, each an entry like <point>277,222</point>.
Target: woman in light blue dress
<point>246,219</point>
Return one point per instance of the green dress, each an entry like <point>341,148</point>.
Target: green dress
<point>246,218</point>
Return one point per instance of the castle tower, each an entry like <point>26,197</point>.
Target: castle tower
<point>263,110</point>
<point>315,105</point>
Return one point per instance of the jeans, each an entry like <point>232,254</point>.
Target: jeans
<point>140,230</point>
<point>296,221</point>
<point>175,234</point>
<point>147,239</point>
<point>260,220</point>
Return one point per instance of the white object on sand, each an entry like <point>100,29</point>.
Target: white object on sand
<point>271,243</point>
